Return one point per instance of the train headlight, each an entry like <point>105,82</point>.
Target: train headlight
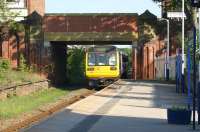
<point>113,68</point>
<point>90,69</point>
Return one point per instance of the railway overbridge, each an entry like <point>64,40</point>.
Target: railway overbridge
<point>46,39</point>
<point>86,29</point>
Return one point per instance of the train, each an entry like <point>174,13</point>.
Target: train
<point>104,65</point>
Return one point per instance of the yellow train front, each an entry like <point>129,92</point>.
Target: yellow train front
<point>103,65</point>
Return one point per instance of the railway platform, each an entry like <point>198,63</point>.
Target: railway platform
<point>125,106</point>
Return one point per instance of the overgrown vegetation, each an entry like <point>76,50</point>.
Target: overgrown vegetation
<point>190,22</point>
<point>8,25</point>
<point>14,106</point>
<point>76,65</point>
<point>22,64</point>
<point>4,65</point>
<point>5,13</point>
<point>128,52</point>
<point>10,77</point>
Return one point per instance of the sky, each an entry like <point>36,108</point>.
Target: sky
<point>102,6</point>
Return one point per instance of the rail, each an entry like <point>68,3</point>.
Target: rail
<point>24,84</point>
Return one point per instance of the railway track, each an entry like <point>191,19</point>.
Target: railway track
<point>13,87</point>
<point>23,89</point>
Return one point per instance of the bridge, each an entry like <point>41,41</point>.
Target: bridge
<point>86,29</point>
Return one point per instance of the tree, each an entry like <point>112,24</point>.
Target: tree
<point>76,65</point>
<point>191,14</point>
<point>174,5</point>
<point>5,14</point>
<point>7,23</point>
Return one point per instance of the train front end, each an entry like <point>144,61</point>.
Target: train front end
<point>102,65</point>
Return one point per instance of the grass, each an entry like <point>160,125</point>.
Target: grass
<point>14,106</point>
<point>12,77</point>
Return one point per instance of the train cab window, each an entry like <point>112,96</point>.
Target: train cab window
<point>102,59</point>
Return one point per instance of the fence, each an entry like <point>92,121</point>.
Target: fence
<point>160,67</point>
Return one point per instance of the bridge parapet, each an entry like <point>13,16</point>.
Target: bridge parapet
<point>90,27</point>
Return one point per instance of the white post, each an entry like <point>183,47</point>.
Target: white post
<point>167,49</point>
<point>167,53</point>
<point>183,36</point>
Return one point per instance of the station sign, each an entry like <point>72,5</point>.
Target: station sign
<point>175,15</point>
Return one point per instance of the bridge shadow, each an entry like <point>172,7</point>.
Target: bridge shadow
<point>69,121</point>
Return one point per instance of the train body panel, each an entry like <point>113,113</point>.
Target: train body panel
<point>103,72</point>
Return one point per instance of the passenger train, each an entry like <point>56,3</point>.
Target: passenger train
<point>105,64</point>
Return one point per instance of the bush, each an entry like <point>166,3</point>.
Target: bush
<point>22,64</point>
<point>76,65</point>
<point>4,65</point>
<point>33,68</point>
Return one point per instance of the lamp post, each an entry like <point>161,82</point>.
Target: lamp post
<point>167,58</point>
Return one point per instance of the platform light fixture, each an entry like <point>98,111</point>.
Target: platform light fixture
<point>195,3</point>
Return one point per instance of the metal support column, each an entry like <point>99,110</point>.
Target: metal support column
<point>183,42</point>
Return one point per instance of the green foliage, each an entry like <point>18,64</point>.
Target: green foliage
<point>147,24</point>
<point>15,106</point>
<point>32,68</point>
<point>15,27</point>
<point>5,14</point>
<point>4,65</point>
<point>179,108</point>
<point>22,63</point>
<point>12,77</point>
<point>176,5</point>
<point>128,52</point>
<point>76,65</point>
<point>7,21</point>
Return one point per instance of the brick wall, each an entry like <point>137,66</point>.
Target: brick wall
<point>146,59</point>
<point>36,5</point>
<point>147,55</point>
<point>11,49</point>
<point>90,23</point>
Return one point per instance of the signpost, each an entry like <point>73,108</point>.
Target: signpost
<point>194,79</point>
<point>182,16</point>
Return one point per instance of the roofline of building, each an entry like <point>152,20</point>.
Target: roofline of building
<point>91,14</point>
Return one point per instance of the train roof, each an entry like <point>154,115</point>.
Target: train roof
<point>106,48</point>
